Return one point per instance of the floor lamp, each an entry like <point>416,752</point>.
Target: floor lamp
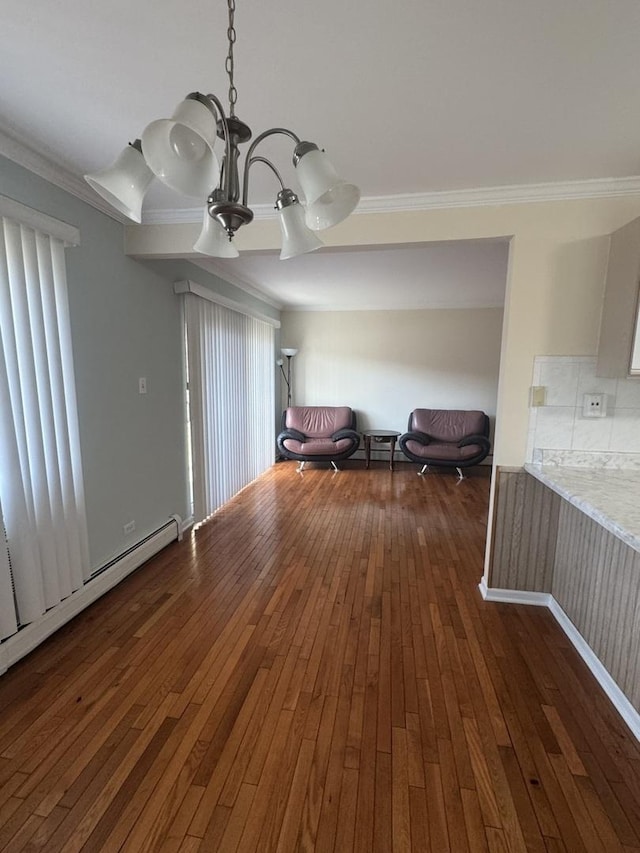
<point>288,353</point>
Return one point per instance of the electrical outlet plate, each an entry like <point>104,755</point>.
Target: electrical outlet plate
<point>594,406</point>
<point>129,527</point>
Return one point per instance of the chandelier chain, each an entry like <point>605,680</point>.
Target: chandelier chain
<point>229,64</point>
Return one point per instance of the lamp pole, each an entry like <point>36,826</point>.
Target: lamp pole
<point>288,353</point>
<point>289,380</point>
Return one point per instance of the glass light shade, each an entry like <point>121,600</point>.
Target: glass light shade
<point>179,150</point>
<point>124,183</point>
<point>289,351</point>
<point>329,198</point>
<point>214,241</point>
<point>297,239</point>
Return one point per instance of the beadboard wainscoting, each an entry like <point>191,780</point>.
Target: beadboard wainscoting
<point>547,551</point>
<point>525,532</point>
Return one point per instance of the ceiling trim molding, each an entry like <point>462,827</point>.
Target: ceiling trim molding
<point>186,215</point>
<point>433,306</point>
<point>38,162</point>
<point>513,194</point>
<point>479,197</point>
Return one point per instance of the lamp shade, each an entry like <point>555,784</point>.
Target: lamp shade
<point>179,150</point>
<point>297,239</point>
<point>329,198</point>
<point>124,183</point>
<point>289,351</point>
<point>213,240</point>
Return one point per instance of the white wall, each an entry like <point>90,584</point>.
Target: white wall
<point>386,363</point>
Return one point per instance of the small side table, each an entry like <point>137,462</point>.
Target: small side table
<point>380,436</point>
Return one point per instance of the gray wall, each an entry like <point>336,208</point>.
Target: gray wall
<point>126,322</point>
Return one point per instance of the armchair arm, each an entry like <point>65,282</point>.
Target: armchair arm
<point>416,435</point>
<point>345,433</point>
<point>482,440</point>
<point>295,434</point>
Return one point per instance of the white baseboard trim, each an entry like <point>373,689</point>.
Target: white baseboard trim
<point>598,670</point>
<point>617,697</point>
<point>514,596</point>
<point>29,637</point>
<point>187,524</point>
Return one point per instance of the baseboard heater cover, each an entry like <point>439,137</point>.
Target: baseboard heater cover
<point>544,599</point>
<point>100,582</point>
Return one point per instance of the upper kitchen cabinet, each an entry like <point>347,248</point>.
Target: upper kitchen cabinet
<point>619,346</point>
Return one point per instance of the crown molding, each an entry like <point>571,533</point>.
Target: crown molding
<point>431,306</point>
<point>41,163</point>
<point>193,215</point>
<point>479,197</point>
<point>512,194</point>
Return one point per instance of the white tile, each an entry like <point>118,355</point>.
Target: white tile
<point>531,434</point>
<point>555,427</point>
<point>589,383</point>
<point>561,381</point>
<point>628,393</point>
<point>564,359</point>
<point>625,431</point>
<point>592,433</point>
<point>587,361</point>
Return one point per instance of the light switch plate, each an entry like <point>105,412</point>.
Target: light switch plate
<point>538,396</point>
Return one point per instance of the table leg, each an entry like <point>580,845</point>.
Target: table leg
<point>392,446</point>
<point>367,450</point>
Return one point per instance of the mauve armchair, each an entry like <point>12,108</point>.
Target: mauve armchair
<point>448,437</point>
<point>318,434</point>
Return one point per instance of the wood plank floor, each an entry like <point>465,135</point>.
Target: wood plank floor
<point>314,669</point>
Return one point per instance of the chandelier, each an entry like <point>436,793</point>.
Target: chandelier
<point>180,152</point>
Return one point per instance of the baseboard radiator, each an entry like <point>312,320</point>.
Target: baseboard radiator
<point>102,580</point>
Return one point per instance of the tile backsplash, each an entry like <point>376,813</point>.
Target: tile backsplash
<point>560,424</point>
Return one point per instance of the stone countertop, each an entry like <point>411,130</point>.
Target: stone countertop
<point>610,497</point>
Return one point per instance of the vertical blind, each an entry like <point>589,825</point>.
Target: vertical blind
<point>8,620</point>
<point>231,394</point>
<point>41,487</point>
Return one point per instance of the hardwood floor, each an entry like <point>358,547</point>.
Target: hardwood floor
<point>314,669</point>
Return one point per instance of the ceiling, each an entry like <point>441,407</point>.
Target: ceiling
<point>464,274</point>
<point>407,98</point>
